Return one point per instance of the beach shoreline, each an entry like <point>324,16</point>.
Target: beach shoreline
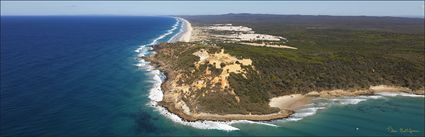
<point>297,101</point>
<point>185,32</point>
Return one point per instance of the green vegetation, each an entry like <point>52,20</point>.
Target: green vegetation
<point>282,71</point>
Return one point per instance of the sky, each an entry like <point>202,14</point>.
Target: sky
<point>351,8</point>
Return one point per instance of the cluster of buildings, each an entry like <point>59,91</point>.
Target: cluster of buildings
<point>242,33</point>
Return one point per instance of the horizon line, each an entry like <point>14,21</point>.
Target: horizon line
<point>399,16</point>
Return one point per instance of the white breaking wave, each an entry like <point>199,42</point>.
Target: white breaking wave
<point>303,112</point>
<point>347,101</point>
<point>144,49</point>
<point>353,100</point>
<point>323,103</point>
<point>180,31</point>
<point>307,112</point>
<point>157,77</point>
<point>392,94</point>
<point>156,94</point>
<point>251,122</point>
<point>197,124</point>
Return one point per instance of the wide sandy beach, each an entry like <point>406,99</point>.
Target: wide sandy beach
<point>185,34</point>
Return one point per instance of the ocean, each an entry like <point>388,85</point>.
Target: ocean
<point>82,76</point>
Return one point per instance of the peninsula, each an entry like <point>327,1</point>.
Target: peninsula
<point>263,67</point>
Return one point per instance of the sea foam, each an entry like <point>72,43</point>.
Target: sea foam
<point>393,94</point>
<point>323,103</point>
<point>144,49</point>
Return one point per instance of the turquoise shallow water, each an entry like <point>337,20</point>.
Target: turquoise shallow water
<point>78,76</point>
<point>374,117</point>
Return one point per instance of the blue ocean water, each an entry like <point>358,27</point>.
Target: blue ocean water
<point>74,75</point>
<point>77,76</point>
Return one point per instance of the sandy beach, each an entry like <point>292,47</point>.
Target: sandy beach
<point>295,101</point>
<point>185,34</point>
<point>289,102</point>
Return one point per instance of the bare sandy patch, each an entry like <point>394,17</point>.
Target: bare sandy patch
<point>227,63</point>
<point>289,102</point>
